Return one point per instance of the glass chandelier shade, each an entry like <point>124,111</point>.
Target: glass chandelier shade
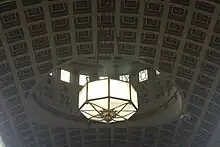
<point>108,100</point>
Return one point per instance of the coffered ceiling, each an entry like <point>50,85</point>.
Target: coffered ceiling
<point>178,37</point>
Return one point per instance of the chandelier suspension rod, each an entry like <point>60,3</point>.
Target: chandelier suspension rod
<point>103,28</point>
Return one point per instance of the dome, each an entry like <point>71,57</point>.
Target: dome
<point>176,42</point>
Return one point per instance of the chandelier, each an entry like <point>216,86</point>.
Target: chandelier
<point>108,100</point>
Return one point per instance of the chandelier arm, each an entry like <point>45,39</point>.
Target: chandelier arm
<point>119,106</point>
<point>114,120</point>
<point>94,116</point>
<point>97,106</point>
<point>96,120</point>
<point>121,117</point>
<point>87,113</point>
<point>122,108</point>
<point>90,114</point>
<point>127,115</point>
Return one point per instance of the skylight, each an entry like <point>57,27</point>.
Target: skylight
<point>101,78</point>
<point>157,72</point>
<point>124,78</point>
<point>143,75</point>
<point>65,75</point>
<point>83,79</point>
<point>51,74</point>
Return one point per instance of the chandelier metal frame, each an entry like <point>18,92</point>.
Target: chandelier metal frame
<point>109,114</point>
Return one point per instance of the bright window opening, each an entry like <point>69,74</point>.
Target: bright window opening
<point>157,72</point>
<point>143,75</point>
<point>124,78</point>
<point>65,76</point>
<point>51,74</point>
<point>83,79</point>
<point>101,78</point>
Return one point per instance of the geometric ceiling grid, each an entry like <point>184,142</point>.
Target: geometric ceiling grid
<point>181,38</point>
